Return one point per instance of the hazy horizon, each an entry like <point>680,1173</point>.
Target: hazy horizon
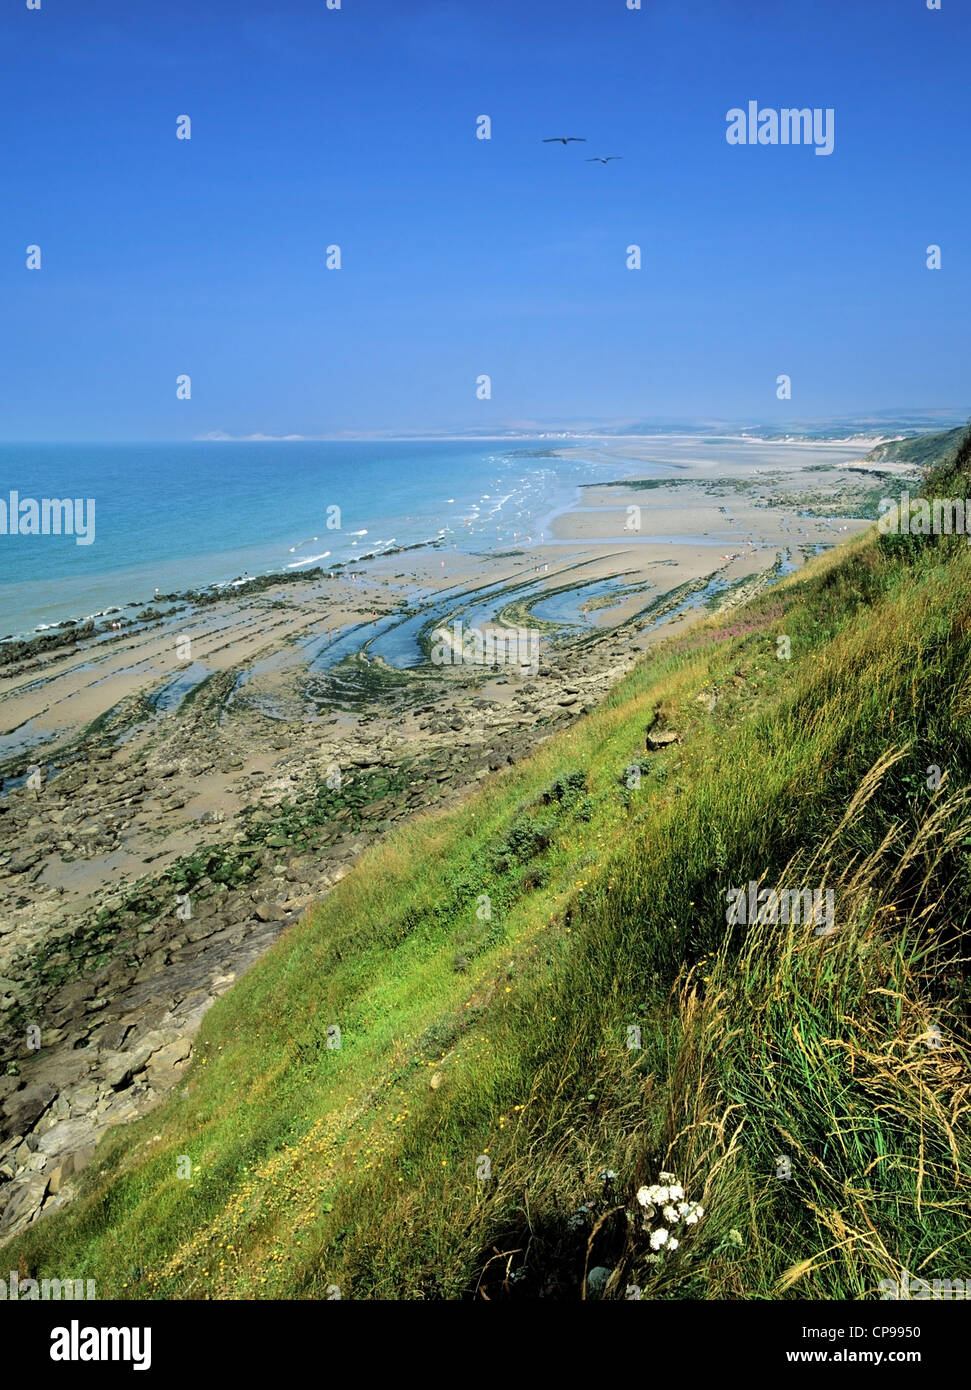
<point>883,423</point>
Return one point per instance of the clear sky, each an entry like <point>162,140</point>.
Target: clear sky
<point>460,256</point>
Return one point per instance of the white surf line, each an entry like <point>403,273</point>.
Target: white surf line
<point>296,564</point>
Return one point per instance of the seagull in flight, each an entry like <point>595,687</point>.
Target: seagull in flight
<point>603,159</point>
<point>565,140</point>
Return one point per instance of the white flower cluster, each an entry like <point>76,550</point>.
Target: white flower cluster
<point>668,1198</point>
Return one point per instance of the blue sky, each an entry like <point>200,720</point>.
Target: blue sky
<point>461,257</point>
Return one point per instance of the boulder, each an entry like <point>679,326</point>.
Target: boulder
<point>24,1201</point>
<point>168,1057</point>
<point>270,912</point>
<point>61,1173</point>
<point>24,1108</point>
<point>64,1138</point>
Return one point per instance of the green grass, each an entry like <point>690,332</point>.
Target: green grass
<point>923,450</point>
<point>486,968</point>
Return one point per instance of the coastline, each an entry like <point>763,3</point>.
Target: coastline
<point>109,592</point>
<point>191,759</point>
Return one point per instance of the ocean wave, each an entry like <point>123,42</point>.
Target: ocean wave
<point>501,503</point>
<point>296,564</point>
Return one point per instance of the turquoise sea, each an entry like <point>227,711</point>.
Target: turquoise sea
<point>178,516</point>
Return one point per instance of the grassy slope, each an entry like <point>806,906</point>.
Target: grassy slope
<point>316,1166</point>
<point>924,450</point>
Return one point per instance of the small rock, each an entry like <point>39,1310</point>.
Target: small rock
<point>663,739</point>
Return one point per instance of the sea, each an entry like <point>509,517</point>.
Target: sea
<point>171,517</point>
<point>181,516</point>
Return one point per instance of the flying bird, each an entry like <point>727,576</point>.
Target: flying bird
<point>603,159</point>
<point>565,140</point>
